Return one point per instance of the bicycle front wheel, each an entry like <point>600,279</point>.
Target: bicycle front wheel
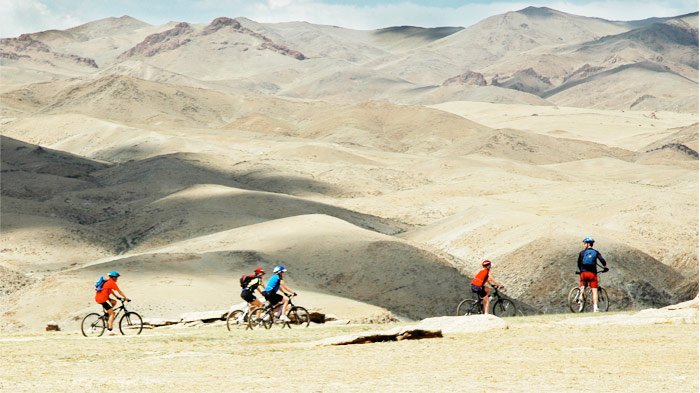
<point>298,316</point>
<point>93,325</point>
<point>131,324</point>
<point>575,301</point>
<point>603,300</point>
<point>504,308</point>
<point>255,317</point>
<point>235,320</point>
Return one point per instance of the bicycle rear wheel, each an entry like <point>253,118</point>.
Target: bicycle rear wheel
<point>476,308</point>
<point>464,306</point>
<point>298,316</point>
<point>93,325</point>
<point>574,300</point>
<point>236,319</point>
<point>603,300</point>
<point>131,324</point>
<point>504,308</point>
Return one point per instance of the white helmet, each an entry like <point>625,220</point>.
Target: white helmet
<point>278,269</point>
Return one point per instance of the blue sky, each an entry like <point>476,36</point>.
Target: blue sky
<point>22,16</point>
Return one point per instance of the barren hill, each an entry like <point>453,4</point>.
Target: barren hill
<point>188,154</point>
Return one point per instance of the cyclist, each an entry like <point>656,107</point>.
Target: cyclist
<point>276,283</point>
<point>588,269</point>
<point>479,284</point>
<point>103,297</point>
<point>249,285</point>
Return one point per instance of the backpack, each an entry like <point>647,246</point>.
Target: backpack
<point>100,283</point>
<point>589,256</point>
<point>245,280</point>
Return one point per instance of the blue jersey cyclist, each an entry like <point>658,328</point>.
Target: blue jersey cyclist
<point>274,284</point>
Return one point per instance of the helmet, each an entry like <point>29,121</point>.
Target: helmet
<point>113,274</point>
<point>588,239</point>
<point>486,263</point>
<point>279,269</point>
<point>259,271</point>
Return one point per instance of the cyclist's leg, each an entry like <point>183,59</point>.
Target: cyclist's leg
<point>285,306</point>
<point>594,290</point>
<point>108,307</point>
<point>485,299</point>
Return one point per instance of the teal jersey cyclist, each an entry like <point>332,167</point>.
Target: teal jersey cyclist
<point>274,284</point>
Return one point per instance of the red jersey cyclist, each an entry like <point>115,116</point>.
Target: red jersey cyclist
<point>479,284</point>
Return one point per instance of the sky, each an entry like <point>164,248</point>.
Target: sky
<point>27,16</point>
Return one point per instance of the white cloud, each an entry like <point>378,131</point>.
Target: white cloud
<point>28,16</point>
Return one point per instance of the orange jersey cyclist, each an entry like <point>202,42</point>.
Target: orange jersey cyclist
<point>479,284</point>
<point>103,297</point>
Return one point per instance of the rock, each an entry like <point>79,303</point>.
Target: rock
<point>395,334</point>
<point>682,313</point>
<point>463,324</point>
<point>317,317</point>
<point>204,316</point>
<point>155,322</point>
<point>52,327</point>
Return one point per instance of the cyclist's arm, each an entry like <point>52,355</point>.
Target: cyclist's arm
<point>494,282</point>
<point>123,295</point>
<point>602,260</point>
<point>579,263</point>
<point>285,288</point>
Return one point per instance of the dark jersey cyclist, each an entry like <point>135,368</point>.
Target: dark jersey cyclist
<point>588,268</point>
<point>251,284</point>
<point>276,283</point>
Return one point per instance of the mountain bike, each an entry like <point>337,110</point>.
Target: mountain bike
<point>266,316</point>
<point>94,324</point>
<point>236,319</point>
<point>580,301</point>
<point>501,307</point>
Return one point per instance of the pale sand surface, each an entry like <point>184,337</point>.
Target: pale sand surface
<point>534,354</point>
<point>625,129</point>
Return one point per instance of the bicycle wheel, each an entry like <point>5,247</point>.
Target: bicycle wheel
<point>575,301</point>
<point>504,308</point>
<point>603,300</point>
<point>464,306</point>
<point>255,317</point>
<point>236,319</point>
<point>131,324</point>
<point>298,316</point>
<point>476,308</point>
<point>587,303</point>
<point>93,325</point>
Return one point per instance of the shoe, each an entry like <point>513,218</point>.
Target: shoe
<point>266,317</point>
<point>596,309</point>
<point>285,318</point>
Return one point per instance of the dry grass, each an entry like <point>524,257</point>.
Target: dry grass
<point>535,353</point>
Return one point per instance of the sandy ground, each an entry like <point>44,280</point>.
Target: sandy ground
<point>534,353</point>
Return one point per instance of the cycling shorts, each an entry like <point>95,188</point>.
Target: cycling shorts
<point>106,305</point>
<point>588,278</point>
<point>479,290</point>
<point>273,298</point>
<point>248,296</point>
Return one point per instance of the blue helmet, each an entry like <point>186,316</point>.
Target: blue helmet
<point>279,269</point>
<point>113,274</point>
<point>588,240</point>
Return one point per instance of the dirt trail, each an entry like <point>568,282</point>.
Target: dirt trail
<point>533,353</point>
